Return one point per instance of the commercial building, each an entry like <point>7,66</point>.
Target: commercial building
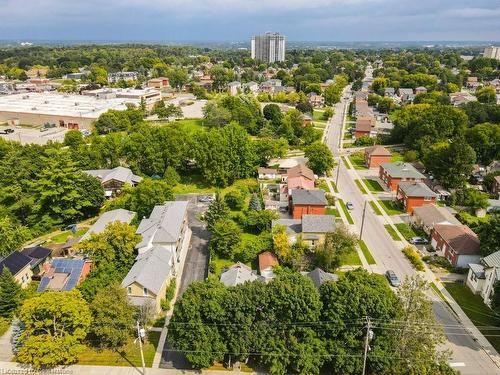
<point>122,76</point>
<point>269,47</point>
<point>148,95</point>
<point>69,111</point>
<point>492,52</point>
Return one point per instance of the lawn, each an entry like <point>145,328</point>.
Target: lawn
<point>321,184</point>
<point>334,187</point>
<point>392,232</point>
<point>375,208</point>
<point>366,252</point>
<point>345,162</point>
<point>318,115</point>
<point>396,156</point>
<point>332,211</point>
<point>128,356</point>
<point>217,264</point>
<point>358,184</point>
<point>391,207</point>
<point>63,236</point>
<point>480,314</point>
<point>358,160</point>
<point>346,212</point>
<point>350,259</point>
<point>192,184</point>
<point>347,135</point>
<point>373,185</point>
<point>408,232</point>
<point>189,125</point>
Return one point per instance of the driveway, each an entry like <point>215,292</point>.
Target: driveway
<point>195,268</point>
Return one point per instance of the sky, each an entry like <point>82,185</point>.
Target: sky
<point>237,20</point>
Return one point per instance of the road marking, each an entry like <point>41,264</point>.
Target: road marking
<point>457,364</point>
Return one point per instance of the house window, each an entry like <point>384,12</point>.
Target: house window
<point>145,291</point>
<point>427,198</point>
<point>129,290</point>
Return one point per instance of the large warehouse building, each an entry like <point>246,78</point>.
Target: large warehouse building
<point>63,110</point>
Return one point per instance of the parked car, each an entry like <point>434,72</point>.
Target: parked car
<point>6,131</point>
<point>419,241</point>
<point>349,206</point>
<point>392,278</point>
<point>206,198</point>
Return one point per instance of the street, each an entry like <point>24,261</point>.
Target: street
<point>467,355</point>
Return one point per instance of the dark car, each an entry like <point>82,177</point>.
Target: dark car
<point>392,278</point>
<point>349,206</point>
<point>418,241</point>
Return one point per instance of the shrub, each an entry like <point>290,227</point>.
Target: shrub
<point>330,199</point>
<point>235,199</point>
<point>364,141</point>
<point>413,257</point>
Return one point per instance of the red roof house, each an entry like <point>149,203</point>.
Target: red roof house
<point>414,194</point>
<point>457,243</point>
<point>300,177</point>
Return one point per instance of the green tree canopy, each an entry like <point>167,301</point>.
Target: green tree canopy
<point>320,158</point>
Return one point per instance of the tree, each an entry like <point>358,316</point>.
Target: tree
<point>215,115</point>
<point>486,94</point>
<point>112,121</point>
<point>15,338</point>
<point>282,247</point>
<point>55,324</point>
<point>115,245</point>
<point>255,204</point>
<point>217,210</point>
<point>489,233</point>
<point>257,221</point>
<point>226,236</point>
<point>485,140</point>
<point>320,158</point>
<point>470,197</point>
<point>171,176</point>
<point>147,194</point>
<point>10,294</point>
<point>272,112</point>
<point>177,77</point>
<point>112,323</point>
<point>451,163</point>
<point>235,199</point>
<point>336,244</point>
<point>12,235</point>
<point>73,138</point>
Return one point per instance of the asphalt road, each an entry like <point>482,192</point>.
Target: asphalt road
<point>467,356</point>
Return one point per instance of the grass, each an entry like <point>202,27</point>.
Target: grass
<point>358,160</point>
<point>345,162</point>
<point>189,125</point>
<point>392,232</point>
<point>373,185</point>
<point>358,184</point>
<point>350,259</point>
<point>480,314</point>
<point>375,208</point>
<point>440,294</point>
<point>406,231</point>
<point>318,115</point>
<point>334,186</point>
<point>217,264</point>
<point>321,184</point>
<point>396,156</point>
<point>391,207</point>
<point>4,326</point>
<point>366,252</point>
<point>332,211</point>
<point>346,211</point>
<point>63,237</point>
<point>128,356</point>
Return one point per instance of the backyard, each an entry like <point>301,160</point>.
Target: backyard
<point>481,315</point>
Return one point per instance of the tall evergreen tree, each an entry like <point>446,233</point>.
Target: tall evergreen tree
<point>217,210</point>
<point>10,293</point>
<point>255,203</point>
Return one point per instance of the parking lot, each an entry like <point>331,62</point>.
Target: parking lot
<point>26,135</point>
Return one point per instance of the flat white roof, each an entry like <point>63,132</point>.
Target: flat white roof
<point>61,104</point>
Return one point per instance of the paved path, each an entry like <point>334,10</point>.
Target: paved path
<point>5,347</point>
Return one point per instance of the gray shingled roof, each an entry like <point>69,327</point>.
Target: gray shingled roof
<point>238,273</point>
<point>318,223</point>
<point>416,189</point>
<point>318,277</point>
<point>402,170</point>
<point>431,214</point>
<point>121,174</point>
<point>492,260</point>
<point>151,269</point>
<point>120,214</point>
<point>292,226</point>
<point>164,224</point>
<point>477,269</point>
<point>310,197</point>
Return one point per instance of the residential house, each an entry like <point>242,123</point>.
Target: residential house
<point>269,85</point>
<point>376,155</point>
<point>315,100</point>
<point>147,280</point>
<point>414,194</point>
<point>420,90</point>
<point>122,76</point>
<point>64,274</point>
<point>406,95</point>
<point>319,277</point>
<point>121,215</point>
<point>237,274</point>
<point>300,177</point>
<point>394,173</point>
<point>426,216</point>
<point>267,261</point>
<point>234,88</point>
<point>284,89</point>
<point>365,126</point>
<point>459,98</point>
<point>252,87</point>
<point>19,266</point>
<point>112,180</point>
<point>494,166</point>
<point>159,83</point>
<point>389,91</point>
<point>284,165</point>
<point>39,257</point>
<point>483,275</point>
<point>457,243</point>
<point>167,227</point>
<point>472,83</point>
<point>269,174</point>
<point>495,189</point>
<point>310,228</point>
<point>307,202</point>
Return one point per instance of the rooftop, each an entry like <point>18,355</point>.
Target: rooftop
<point>120,214</point>
<point>492,260</point>
<point>460,237</point>
<point>431,214</point>
<point>292,226</point>
<point>63,274</point>
<point>318,276</point>
<point>301,170</point>
<point>238,273</point>
<point>377,151</point>
<point>416,189</point>
<point>318,223</point>
<point>266,260</point>
<point>121,174</point>
<point>402,170</point>
<point>15,262</point>
<point>309,197</point>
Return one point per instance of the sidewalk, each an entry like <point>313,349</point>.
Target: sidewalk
<point>5,347</point>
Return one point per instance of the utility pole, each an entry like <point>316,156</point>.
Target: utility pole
<point>140,336</point>
<point>369,336</point>
<point>363,220</point>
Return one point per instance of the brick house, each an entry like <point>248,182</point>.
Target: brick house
<point>414,194</point>
<point>364,126</point>
<point>300,177</point>
<point>394,173</point>
<point>376,155</point>
<point>312,202</point>
<point>457,243</point>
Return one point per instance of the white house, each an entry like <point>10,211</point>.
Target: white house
<point>482,276</point>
